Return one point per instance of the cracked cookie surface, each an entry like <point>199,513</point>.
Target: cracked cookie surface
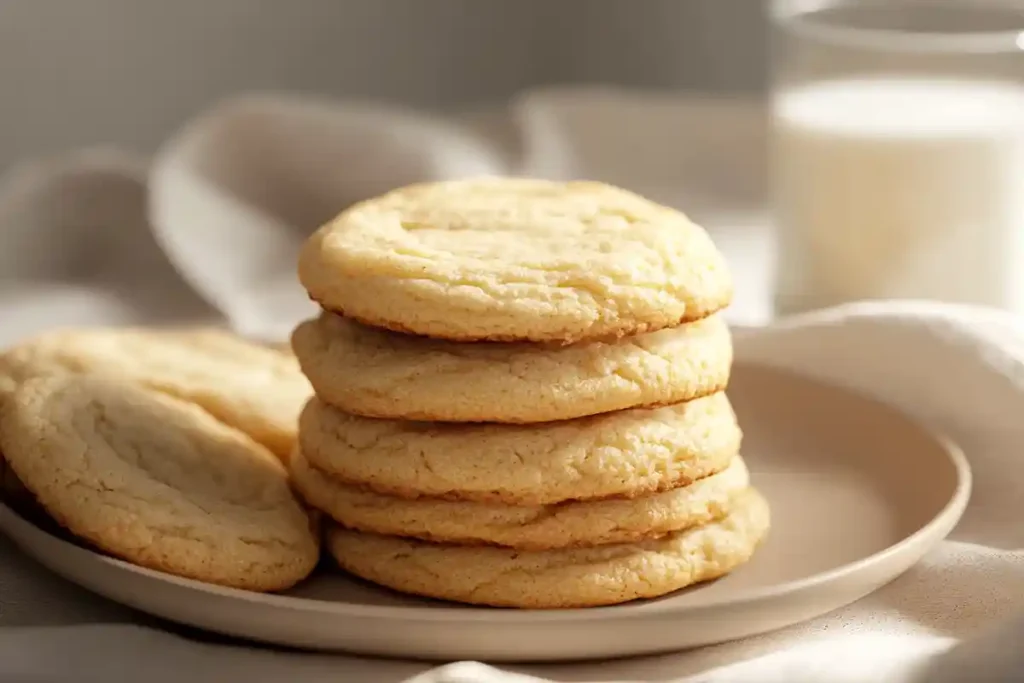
<point>627,453</point>
<point>376,373</point>
<point>526,527</point>
<point>247,386</point>
<point>565,578</point>
<point>506,259</point>
<point>157,481</point>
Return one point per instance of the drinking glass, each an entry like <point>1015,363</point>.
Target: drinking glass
<point>897,161</point>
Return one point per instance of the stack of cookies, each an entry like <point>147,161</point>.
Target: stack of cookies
<point>519,396</point>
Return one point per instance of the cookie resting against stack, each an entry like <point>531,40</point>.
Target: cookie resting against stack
<point>163,448</point>
<point>520,396</point>
<point>254,389</point>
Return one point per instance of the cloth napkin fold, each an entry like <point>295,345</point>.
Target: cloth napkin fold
<point>209,231</point>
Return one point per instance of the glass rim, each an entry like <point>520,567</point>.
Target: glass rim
<point>788,13</point>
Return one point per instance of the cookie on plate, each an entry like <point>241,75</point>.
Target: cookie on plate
<point>528,527</point>
<point>565,578</point>
<point>376,373</point>
<point>628,453</point>
<point>247,386</point>
<point>157,481</point>
<point>504,259</point>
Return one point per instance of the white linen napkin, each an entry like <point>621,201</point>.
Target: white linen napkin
<point>211,236</point>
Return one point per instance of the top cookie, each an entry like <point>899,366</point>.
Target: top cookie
<point>257,390</point>
<point>515,259</point>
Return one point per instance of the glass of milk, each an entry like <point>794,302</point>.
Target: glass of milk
<point>898,151</point>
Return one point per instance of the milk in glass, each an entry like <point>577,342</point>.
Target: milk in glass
<point>903,187</point>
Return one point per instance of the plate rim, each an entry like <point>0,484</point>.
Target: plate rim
<point>947,516</point>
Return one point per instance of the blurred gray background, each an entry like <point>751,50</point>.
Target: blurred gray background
<point>127,72</point>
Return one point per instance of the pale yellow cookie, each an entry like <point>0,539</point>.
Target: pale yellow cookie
<point>251,387</point>
<point>565,578</point>
<point>527,527</point>
<point>8,383</point>
<point>157,481</point>
<point>505,259</point>
<point>377,373</point>
<point>629,453</point>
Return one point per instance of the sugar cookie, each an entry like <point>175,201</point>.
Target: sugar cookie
<point>628,453</point>
<point>253,388</point>
<point>532,527</point>
<point>505,259</point>
<point>566,578</point>
<point>157,481</point>
<point>377,373</point>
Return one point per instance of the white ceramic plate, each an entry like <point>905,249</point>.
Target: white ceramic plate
<point>858,492</point>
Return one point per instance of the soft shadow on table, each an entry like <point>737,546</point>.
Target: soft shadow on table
<point>671,666</point>
<point>955,605</point>
<point>46,599</point>
<point>112,653</point>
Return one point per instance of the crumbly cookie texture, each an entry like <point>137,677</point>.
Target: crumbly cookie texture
<point>157,481</point>
<point>247,386</point>
<point>628,453</point>
<point>505,259</point>
<point>551,579</point>
<point>526,527</point>
<point>376,373</point>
